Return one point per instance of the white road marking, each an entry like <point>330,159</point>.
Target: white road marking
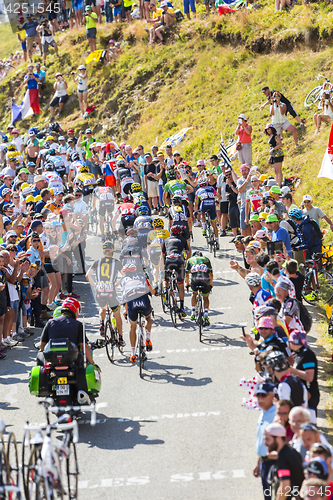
<point>172,416</point>
<point>177,351</point>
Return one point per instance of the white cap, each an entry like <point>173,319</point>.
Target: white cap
<point>61,138</point>
<point>164,3</point>
<point>285,190</point>
<point>307,197</point>
<point>276,430</point>
<point>82,66</point>
<point>242,116</point>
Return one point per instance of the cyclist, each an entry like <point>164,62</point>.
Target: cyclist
<point>67,326</point>
<point>172,251</point>
<point>55,182</point>
<point>106,270</point>
<point>106,202</point>
<point>124,179</point>
<point>132,250</point>
<point>178,216</point>
<point>127,216</point>
<point>308,233</point>
<point>139,198</point>
<point>135,296</point>
<point>85,180</point>
<point>177,187</point>
<point>144,224</point>
<point>157,237</point>
<point>201,272</point>
<point>205,202</point>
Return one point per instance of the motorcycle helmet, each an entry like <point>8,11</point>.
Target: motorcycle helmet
<point>143,210</point>
<point>177,230</point>
<point>135,187</point>
<point>158,224</point>
<point>57,312</point>
<point>121,163</point>
<point>71,305</point>
<point>100,182</point>
<point>108,245</point>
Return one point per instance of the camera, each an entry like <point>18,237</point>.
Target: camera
<point>72,72</point>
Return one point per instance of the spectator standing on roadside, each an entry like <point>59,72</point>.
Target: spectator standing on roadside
<point>290,108</point>
<point>91,27</point>
<point>46,31</point>
<point>22,37</point>
<point>60,95</point>
<point>78,9</point>
<point>17,140</point>
<point>327,114</point>
<point>82,87</point>
<point>31,81</point>
<point>243,186</point>
<point>315,213</point>
<point>86,145</point>
<point>244,144</point>
<point>128,7</point>
<point>265,397</point>
<point>117,11</point>
<point>276,155</point>
<point>30,27</point>
<point>42,78</point>
<point>187,4</point>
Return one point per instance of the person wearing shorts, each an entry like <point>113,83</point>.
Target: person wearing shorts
<point>187,4</point>
<point>91,30</point>
<point>78,9</point>
<point>209,4</point>
<point>278,113</point>
<point>60,95</point>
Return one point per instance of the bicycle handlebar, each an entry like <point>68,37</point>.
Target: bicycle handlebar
<point>322,76</point>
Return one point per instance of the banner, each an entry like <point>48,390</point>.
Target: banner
<point>175,138</point>
<point>326,169</point>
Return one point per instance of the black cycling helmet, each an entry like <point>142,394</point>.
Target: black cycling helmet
<point>49,167</point>
<point>54,127</point>
<point>74,156</point>
<point>100,182</point>
<point>171,175</point>
<point>108,245</point>
<point>277,361</point>
<point>177,200</point>
<point>52,152</point>
<point>121,163</point>
<point>197,254</point>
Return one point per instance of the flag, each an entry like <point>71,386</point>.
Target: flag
<point>225,6</point>
<point>175,138</point>
<point>94,56</point>
<point>327,163</point>
<point>28,107</point>
<point>224,153</point>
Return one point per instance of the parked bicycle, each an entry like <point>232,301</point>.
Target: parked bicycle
<point>9,467</point>
<point>315,93</point>
<point>318,283</point>
<point>50,470</point>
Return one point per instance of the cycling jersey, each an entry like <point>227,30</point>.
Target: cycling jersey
<point>124,175</point>
<point>75,167</point>
<point>290,308</point>
<point>305,359</point>
<point>106,199</point>
<point>106,269</point>
<point>140,200</point>
<point>157,237</point>
<point>261,297</point>
<point>54,181</point>
<point>133,287</point>
<point>174,246</point>
<point>132,251</point>
<point>176,187</point>
<point>199,268</point>
<point>15,156</point>
<point>86,181</point>
<point>178,216</point>
<point>205,196</point>
<point>59,165</point>
<point>255,196</point>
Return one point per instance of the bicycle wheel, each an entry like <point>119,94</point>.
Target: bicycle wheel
<point>72,471</point>
<point>94,223</point>
<point>173,307</point>
<point>312,96</point>
<point>26,451</point>
<point>4,468</point>
<point>32,477</point>
<point>12,458</point>
<point>325,286</point>
<point>110,341</point>
<point>200,317</point>
<point>164,306</point>
<point>141,348</point>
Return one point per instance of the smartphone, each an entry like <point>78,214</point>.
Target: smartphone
<point>274,247</point>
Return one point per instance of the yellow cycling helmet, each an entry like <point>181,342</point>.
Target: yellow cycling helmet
<point>11,147</point>
<point>84,169</point>
<point>263,177</point>
<point>158,223</point>
<point>135,187</point>
<point>263,215</point>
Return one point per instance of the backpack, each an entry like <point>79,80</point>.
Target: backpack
<point>305,317</point>
<point>179,15</point>
<point>317,229</point>
<point>296,388</point>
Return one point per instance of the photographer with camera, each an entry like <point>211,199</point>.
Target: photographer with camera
<point>327,114</point>
<point>279,120</point>
<point>290,108</point>
<point>91,27</point>
<point>244,143</point>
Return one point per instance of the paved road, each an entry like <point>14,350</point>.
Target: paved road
<point>179,433</point>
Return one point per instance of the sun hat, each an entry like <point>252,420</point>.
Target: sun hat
<point>265,322</point>
<point>272,218</point>
<point>298,337</point>
<point>276,430</point>
<point>254,244</point>
<point>263,215</point>
<point>285,190</point>
<point>201,162</point>
<point>307,197</point>
<point>275,190</point>
<point>6,191</point>
<point>61,138</point>
<point>82,66</point>
<point>271,182</point>
<point>260,234</point>
<point>38,178</point>
<point>242,116</point>
<point>254,217</point>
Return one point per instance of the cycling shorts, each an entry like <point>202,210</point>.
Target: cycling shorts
<point>202,285</point>
<point>126,221</point>
<point>177,264</point>
<point>155,255</point>
<point>105,206</point>
<point>141,304</point>
<point>209,207</point>
<point>108,299</point>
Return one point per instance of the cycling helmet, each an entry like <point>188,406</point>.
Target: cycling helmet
<point>177,230</point>
<point>129,268</point>
<point>49,139</point>
<point>277,361</point>
<point>158,223</point>
<point>202,182</point>
<point>135,187</point>
<point>177,200</point>
<point>46,145</point>
<point>72,305</point>
<point>4,138</point>
<point>127,199</point>
<point>49,167</point>
<point>197,254</point>
<point>143,210</point>
<point>253,279</point>
<point>171,175</point>
<point>100,182</point>
<point>121,163</point>
<point>52,152</point>
<point>74,156</point>
<point>57,312</point>
<point>54,127</point>
<point>84,169</point>
<point>295,213</point>
<point>108,245</point>
<point>11,147</point>
<point>130,231</point>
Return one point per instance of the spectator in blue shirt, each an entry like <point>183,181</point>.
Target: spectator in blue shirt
<point>278,233</point>
<point>32,36</point>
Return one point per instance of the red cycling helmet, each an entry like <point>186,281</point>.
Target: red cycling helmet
<point>73,305</point>
<point>177,230</point>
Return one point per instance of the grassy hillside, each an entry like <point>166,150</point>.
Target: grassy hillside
<point>9,42</point>
<point>211,70</point>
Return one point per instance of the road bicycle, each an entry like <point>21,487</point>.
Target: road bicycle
<point>9,467</point>
<point>318,283</point>
<point>111,336</point>
<point>93,219</point>
<point>108,230</point>
<point>172,300</point>
<point>50,470</point>
<point>210,237</point>
<point>140,351</point>
<point>315,93</point>
<point>199,313</point>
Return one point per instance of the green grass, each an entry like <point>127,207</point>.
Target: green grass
<point>9,42</point>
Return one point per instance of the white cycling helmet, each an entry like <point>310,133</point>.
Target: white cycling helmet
<point>253,279</point>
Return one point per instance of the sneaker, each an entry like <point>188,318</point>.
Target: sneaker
<point>149,345</point>
<point>303,126</point>
<point>63,296</point>
<point>52,306</point>
<point>161,213</point>
<point>192,317</point>
<point>182,312</point>
<point>223,233</point>
<point>206,320</point>
<point>57,302</point>
<point>9,343</point>
<point>101,327</point>
<point>3,349</point>
<point>297,146</point>
<point>39,323</point>
<point>204,232</point>
<point>317,132</point>
<point>16,337</point>
<point>133,359</point>
<point>121,341</point>
<point>217,246</point>
<point>197,223</point>
<point>311,296</point>
<point>23,333</point>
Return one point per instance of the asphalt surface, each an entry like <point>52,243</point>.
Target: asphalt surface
<point>178,433</point>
